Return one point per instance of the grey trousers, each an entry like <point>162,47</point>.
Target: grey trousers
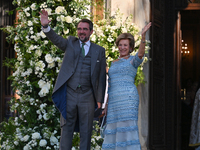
<point>81,106</point>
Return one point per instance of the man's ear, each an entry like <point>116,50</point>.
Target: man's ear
<point>91,32</point>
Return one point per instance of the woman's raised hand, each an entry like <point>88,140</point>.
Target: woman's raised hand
<point>145,29</point>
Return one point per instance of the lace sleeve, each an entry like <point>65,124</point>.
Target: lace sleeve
<point>136,61</point>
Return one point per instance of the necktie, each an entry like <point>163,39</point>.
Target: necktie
<point>83,50</point>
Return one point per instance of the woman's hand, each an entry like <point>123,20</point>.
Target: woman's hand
<point>145,29</point>
<point>44,18</point>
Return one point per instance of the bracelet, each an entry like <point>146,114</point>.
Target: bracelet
<point>45,26</point>
<point>143,41</point>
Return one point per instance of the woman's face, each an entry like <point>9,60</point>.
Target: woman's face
<point>124,47</point>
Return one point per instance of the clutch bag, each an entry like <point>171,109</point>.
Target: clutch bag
<point>103,127</point>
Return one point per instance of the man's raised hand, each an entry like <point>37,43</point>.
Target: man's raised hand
<point>44,18</point>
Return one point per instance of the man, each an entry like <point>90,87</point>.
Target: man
<point>80,84</point>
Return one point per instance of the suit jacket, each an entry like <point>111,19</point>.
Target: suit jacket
<point>71,47</point>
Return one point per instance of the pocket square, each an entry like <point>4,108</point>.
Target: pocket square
<point>97,60</point>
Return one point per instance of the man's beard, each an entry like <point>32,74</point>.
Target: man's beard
<point>85,39</point>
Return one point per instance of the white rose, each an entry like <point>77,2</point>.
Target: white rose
<point>16,142</point>
<point>27,14</point>
<point>38,53</point>
<point>33,6</point>
<point>49,10</point>
<point>26,138</point>
<point>30,23</point>
<point>51,65</point>
<point>53,140</point>
<point>41,83</point>
<point>62,18</point>
<point>26,147</point>
<point>58,18</point>
<point>36,135</point>
<point>60,9</point>
<point>39,117</point>
<point>68,19</point>
<point>45,90</point>
<point>42,34</point>
<point>46,42</point>
<point>45,116</point>
<point>43,143</point>
<point>49,58</point>
<point>66,31</point>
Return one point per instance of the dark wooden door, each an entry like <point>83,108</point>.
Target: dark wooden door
<point>6,51</point>
<point>165,74</point>
<point>164,77</point>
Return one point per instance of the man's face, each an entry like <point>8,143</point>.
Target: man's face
<point>84,31</point>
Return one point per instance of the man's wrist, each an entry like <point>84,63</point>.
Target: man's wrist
<point>45,26</point>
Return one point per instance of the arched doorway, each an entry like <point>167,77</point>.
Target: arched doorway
<point>190,73</point>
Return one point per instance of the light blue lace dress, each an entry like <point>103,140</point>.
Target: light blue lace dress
<point>121,132</point>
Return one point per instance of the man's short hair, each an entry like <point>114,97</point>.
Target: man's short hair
<point>87,21</point>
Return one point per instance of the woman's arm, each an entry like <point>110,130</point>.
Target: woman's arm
<point>142,44</point>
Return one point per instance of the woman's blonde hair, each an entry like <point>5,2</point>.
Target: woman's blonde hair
<point>128,36</point>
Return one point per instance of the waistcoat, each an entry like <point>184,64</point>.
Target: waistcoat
<point>82,76</point>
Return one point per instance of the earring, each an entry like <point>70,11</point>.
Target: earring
<point>130,50</point>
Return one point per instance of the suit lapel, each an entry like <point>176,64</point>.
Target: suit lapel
<point>94,56</point>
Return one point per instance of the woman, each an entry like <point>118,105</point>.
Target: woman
<point>121,132</point>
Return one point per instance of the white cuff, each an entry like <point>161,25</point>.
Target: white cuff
<point>46,29</point>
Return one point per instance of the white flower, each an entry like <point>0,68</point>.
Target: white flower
<point>30,23</point>
<point>43,143</point>
<point>42,106</point>
<point>58,18</point>
<point>26,138</point>
<point>124,30</point>
<point>49,58</point>
<point>45,116</point>
<point>62,18</point>
<point>53,140</point>
<point>41,83</point>
<point>39,117</point>
<point>27,147</point>
<point>66,31</point>
<point>46,42</point>
<point>44,5</point>
<point>49,10</point>
<point>60,9</point>
<point>21,117</point>
<point>36,135</point>
<point>51,65</point>
<point>38,53</point>
<point>39,66</point>
<point>44,91</point>
<point>68,19</point>
<point>27,14</point>
<point>16,143</point>
<point>33,6</point>
<point>42,34</point>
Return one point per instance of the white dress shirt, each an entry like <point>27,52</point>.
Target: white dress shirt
<point>86,46</point>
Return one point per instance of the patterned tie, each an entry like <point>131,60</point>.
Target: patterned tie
<point>83,50</point>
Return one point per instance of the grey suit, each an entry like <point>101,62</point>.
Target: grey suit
<point>85,101</point>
